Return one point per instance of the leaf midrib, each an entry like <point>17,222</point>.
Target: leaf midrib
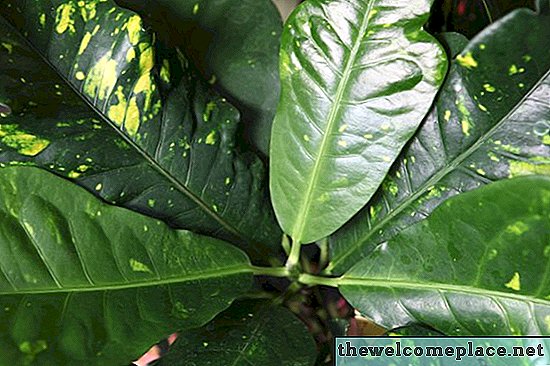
<point>354,281</point>
<point>331,120</point>
<point>206,275</point>
<point>149,159</point>
<point>436,177</point>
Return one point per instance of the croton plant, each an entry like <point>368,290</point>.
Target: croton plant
<point>200,168</point>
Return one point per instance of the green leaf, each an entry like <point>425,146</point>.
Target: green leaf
<point>357,78</point>
<point>248,333</point>
<point>237,53</point>
<point>490,122</point>
<point>83,282</point>
<point>454,43</point>
<point>139,129</point>
<point>478,265</point>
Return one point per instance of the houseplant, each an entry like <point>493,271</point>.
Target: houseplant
<point>173,217</point>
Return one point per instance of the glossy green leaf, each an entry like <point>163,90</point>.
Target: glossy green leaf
<point>248,333</point>
<point>236,46</point>
<point>357,78</point>
<point>139,129</point>
<point>478,265</point>
<point>490,122</point>
<point>83,282</point>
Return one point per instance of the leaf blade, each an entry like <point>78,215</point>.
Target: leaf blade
<point>445,274</point>
<point>477,132</point>
<point>171,137</point>
<point>249,332</point>
<point>70,261</point>
<point>237,54</point>
<point>319,168</point>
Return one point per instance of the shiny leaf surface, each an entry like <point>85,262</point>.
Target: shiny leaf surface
<point>83,282</point>
<point>478,265</point>
<point>357,78</point>
<point>139,129</point>
<point>235,44</point>
<point>490,122</point>
<point>248,333</point>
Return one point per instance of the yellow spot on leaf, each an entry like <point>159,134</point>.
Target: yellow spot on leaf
<point>368,136</point>
<point>98,187</point>
<point>130,54</point>
<point>546,139</point>
<point>392,187</point>
<point>342,128</point>
<point>211,138</point>
<point>131,121</point>
<point>8,47</point>
<point>325,197</point>
<point>64,19</point>
<point>87,10</point>
<point>102,78</point>
<point>117,112</point>
<point>447,115</point>
<point>374,211</point>
<point>514,283</point>
<point>482,107</point>
<point>465,127</point>
<point>145,85</point>
<point>210,106</point>
<point>466,60</point>
<point>82,168</point>
<point>517,228</point>
<point>342,143</point>
<point>306,138</point>
<point>133,28</point>
<point>25,143</point>
<point>96,29</point>
<point>493,157</point>
<point>84,44</point>
<point>466,122</point>
<point>138,266</point>
<point>521,168</point>
<point>42,20</point>
<point>488,87</point>
<point>195,8</point>
<point>372,13</point>
<point>165,71</point>
<point>513,70</point>
<point>80,75</point>
<point>146,60</point>
<point>73,175</point>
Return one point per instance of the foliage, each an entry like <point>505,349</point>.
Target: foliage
<point>136,201</point>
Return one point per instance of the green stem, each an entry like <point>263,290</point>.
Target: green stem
<point>323,257</point>
<point>270,271</point>
<point>312,280</point>
<point>285,243</point>
<point>294,257</point>
<point>487,11</point>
